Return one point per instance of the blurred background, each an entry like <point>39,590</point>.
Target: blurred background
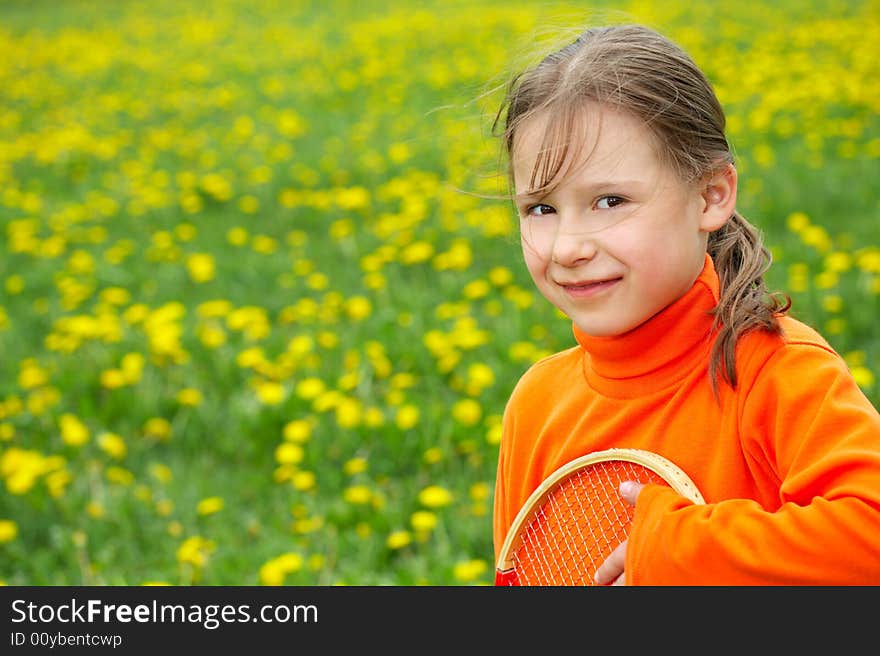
<point>260,310</point>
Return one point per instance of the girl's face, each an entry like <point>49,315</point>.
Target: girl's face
<point>621,237</point>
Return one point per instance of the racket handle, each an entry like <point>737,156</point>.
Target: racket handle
<point>506,578</point>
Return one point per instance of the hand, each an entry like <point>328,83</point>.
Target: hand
<point>611,571</point>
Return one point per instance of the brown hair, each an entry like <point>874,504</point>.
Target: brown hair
<point>635,69</point>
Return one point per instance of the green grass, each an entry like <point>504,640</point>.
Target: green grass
<point>134,136</point>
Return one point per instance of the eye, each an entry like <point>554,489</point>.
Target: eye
<point>609,202</point>
<point>539,210</point>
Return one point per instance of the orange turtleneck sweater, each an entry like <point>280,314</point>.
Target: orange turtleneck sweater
<point>788,463</point>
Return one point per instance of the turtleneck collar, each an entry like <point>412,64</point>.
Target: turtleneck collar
<point>659,352</point>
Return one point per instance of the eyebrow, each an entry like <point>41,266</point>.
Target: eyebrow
<point>589,188</point>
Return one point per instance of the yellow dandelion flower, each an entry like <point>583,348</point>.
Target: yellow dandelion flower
<point>157,428</point>
<point>358,308</point>
<point>470,570</point>
<point>195,551</point>
<point>161,472</point>
<point>433,455</point>
<point>289,453</point>
<point>375,281</point>
<point>209,506</point>
<point>143,493</point>
<point>493,434</point>
<point>95,510</point>
<point>73,431</point>
<point>270,392</point>
<point>7,432</point>
<point>132,365</point>
<point>112,444</point>
<point>522,351</point>
<point>307,525</point>
<point>31,375</point>
<point>349,413</point>
<point>297,430</point>
<point>355,466</point>
<point>357,495</point>
<point>399,539</point>
<point>327,401</point>
<point>274,571</point>
<point>864,377</point>
<point>423,520</point>
<point>417,252</point>
<point>249,204</point>
<point>189,396</point>
<point>113,379</point>
<point>237,236</point>
<point>838,261</point>
<point>373,418</point>
<point>115,296</point>
<point>476,289</point>
<point>327,339</point>
<point>317,281</point>
<point>407,417</point>
<point>832,303</point>
<point>201,267</point>
<point>817,237</point>
<point>214,309</point>
<point>57,482</point>
<point>283,473</point>
<point>868,260</point>
<point>341,229</point>
<point>500,276</point>
<point>467,412</point>
<point>435,496</point>
<point>14,284</point>
<point>827,280</point>
<point>119,475</point>
<point>352,198</point>
<point>480,375</point>
<point>836,326</point>
<point>399,152</point>
<point>303,480</point>
<point>8,530</point>
<point>310,388</point>
<point>480,491</point>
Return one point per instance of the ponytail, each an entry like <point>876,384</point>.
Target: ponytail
<point>741,260</point>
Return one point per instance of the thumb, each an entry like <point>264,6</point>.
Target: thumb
<point>629,491</point>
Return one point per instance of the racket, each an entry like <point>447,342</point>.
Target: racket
<point>576,517</point>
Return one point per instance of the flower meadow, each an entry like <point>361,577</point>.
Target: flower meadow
<point>261,297</point>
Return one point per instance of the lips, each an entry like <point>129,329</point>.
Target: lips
<point>586,284</point>
<point>588,287</point>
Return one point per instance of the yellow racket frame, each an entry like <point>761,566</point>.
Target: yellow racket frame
<point>666,469</point>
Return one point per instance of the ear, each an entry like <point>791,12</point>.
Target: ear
<point>719,198</point>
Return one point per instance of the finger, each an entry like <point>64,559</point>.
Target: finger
<point>629,491</point>
<point>612,568</point>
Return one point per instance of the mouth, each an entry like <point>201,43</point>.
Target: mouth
<point>588,287</point>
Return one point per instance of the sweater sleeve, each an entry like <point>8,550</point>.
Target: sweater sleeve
<point>808,430</point>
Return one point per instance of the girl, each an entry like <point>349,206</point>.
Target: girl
<point>626,192</point>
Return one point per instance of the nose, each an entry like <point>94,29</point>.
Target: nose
<point>572,247</point>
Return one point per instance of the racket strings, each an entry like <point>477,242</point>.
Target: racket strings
<point>578,525</point>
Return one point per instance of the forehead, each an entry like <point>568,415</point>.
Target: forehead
<point>598,141</point>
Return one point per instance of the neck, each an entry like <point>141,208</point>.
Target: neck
<point>659,352</point>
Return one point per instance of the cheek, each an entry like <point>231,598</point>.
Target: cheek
<point>537,239</point>
<point>536,258</point>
